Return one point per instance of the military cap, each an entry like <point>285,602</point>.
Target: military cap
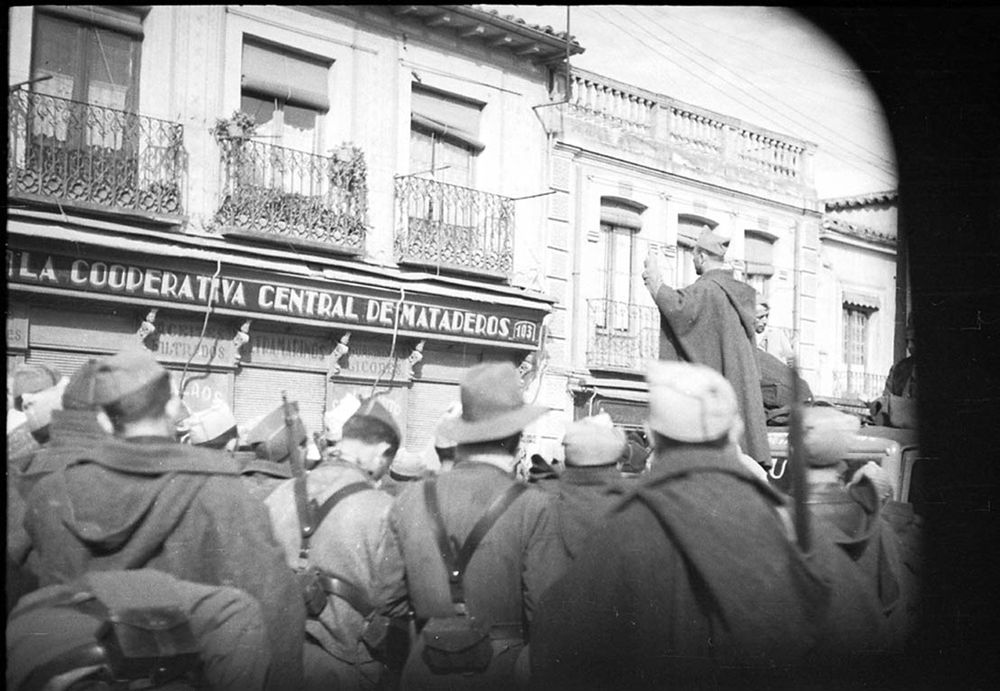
<point>593,441</point>
<point>712,242</point>
<point>374,408</point>
<point>269,438</point>
<point>38,406</point>
<point>493,405</point>
<point>690,402</point>
<point>125,373</point>
<point>32,378</point>
<point>633,457</point>
<point>827,434</point>
<point>408,465</point>
<point>81,391</point>
<point>333,420</point>
<point>212,427</point>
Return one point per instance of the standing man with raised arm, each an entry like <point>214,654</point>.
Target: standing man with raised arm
<point>711,322</point>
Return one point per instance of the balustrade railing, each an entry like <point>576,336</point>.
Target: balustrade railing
<point>453,228</point>
<point>622,336</point>
<point>602,98</point>
<point>81,154</point>
<point>273,192</point>
<point>858,384</point>
<point>709,140</point>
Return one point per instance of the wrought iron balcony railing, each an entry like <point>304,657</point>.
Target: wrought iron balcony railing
<point>453,228</point>
<point>275,193</point>
<point>90,156</point>
<point>622,336</point>
<point>858,384</point>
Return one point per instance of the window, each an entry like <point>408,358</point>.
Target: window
<point>444,131</point>
<point>689,227</point>
<point>90,64</point>
<point>855,335</point>
<point>759,257</point>
<point>620,223</point>
<point>286,93</point>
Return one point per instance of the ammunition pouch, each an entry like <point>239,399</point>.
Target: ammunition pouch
<point>456,644</point>
<point>313,593</point>
<point>151,643</point>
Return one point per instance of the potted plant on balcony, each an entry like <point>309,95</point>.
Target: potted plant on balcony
<point>240,127</point>
<point>348,176</point>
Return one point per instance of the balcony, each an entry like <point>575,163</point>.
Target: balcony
<point>622,336</point>
<point>680,137</point>
<point>91,157</point>
<point>451,228</point>
<point>858,384</point>
<point>275,194</point>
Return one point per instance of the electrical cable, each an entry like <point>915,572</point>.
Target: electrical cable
<point>845,142</point>
<point>392,348</point>
<point>832,153</point>
<point>204,326</point>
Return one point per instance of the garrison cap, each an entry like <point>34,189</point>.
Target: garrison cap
<point>712,242</point>
<point>593,441</point>
<point>269,437</point>
<point>125,373</point>
<point>376,409</point>
<point>827,434</point>
<point>212,427</point>
<point>81,391</point>
<point>333,420</point>
<point>690,402</point>
<point>32,378</point>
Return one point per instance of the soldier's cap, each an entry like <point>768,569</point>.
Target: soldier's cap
<point>334,419</point>
<point>493,405</point>
<point>269,438</point>
<point>377,409</point>
<point>38,406</point>
<point>827,434</point>
<point>32,378</point>
<point>125,373</point>
<point>763,309</point>
<point>690,402</point>
<point>440,440</point>
<point>212,427</point>
<point>712,242</point>
<point>593,441</point>
<point>81,391</point>
<point>633,457</point>
<point>408,465</point>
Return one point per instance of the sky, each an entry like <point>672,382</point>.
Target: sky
<point>764,65</point>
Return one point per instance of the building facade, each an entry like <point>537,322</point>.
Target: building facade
<point>318,200</point>
<point>637,174</point>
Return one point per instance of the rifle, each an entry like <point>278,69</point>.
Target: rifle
<point>796,461</point>
<point>303,506</point>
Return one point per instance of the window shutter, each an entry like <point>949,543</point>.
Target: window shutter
<point>759,255</point>
<point>258,392</point>
<point>287,76</point>
<point>123,18</point>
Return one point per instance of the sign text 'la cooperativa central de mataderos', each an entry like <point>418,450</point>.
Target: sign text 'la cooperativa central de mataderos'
<point>306,299</point>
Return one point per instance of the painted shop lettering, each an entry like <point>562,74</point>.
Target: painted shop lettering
<point>156,283</point>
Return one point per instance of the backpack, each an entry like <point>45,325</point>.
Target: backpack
<point>110,628</point>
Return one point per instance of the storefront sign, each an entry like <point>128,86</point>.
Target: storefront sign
<point>315,300</point>
<point>181,341</point>
<point>17,327</point>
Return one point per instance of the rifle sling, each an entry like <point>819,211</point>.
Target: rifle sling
<point>312,515</point>
<point>456,564</point>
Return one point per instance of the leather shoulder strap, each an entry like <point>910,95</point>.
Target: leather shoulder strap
<point>497,509</point>
<point>311,515</point>
<point>440,534</point>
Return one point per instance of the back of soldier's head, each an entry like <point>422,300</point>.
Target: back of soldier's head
<point>371,430</point>
<point>132,386</point>
<point>691,404</point>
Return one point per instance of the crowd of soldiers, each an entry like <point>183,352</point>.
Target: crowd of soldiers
<point>147,548</point>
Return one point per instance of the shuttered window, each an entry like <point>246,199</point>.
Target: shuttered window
<point>258,392</point>
<point>284,75</point>
<point>66,362</point>
<point>428,403</point>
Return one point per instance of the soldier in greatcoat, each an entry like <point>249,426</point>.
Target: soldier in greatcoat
<point>140,499</point>
<point>515,562</point>
<point>694,579</point>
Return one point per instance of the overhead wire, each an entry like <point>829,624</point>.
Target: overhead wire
<point>832,153</point>
<point>863,158</point>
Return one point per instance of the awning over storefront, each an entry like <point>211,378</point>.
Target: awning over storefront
<point>865,301</point>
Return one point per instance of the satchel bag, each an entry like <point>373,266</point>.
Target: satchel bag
<point>459,643</point>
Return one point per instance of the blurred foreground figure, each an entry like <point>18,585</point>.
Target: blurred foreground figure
<point>694,579</point>
<point>136,629</point>
<point>140,499</point>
